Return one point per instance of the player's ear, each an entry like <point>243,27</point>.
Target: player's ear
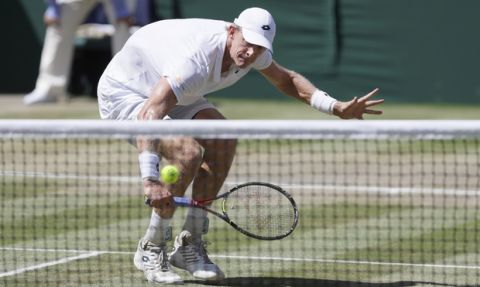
<point>232,29</point>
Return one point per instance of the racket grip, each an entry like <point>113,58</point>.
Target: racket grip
<point>182,201</point>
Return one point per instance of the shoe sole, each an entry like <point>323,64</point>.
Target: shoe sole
<point>137,261</point>
<point>210,279</point>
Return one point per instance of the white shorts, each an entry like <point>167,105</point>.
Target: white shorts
<point>116,102</point>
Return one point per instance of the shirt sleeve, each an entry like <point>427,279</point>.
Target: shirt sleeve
<point>186,79</point>
<point>263,61</point>
<point>53,10</point>
<point>121,9</point>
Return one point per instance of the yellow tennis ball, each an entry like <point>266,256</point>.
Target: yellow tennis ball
<point>169,174</point>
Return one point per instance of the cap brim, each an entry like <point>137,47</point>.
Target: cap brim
<point>256,39</point>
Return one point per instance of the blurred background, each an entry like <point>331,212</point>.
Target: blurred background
<point>417,52</point>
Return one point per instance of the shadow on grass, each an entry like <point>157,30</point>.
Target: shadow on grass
<point>305,282</point>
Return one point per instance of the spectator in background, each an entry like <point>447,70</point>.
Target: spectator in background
<point>62,19</point>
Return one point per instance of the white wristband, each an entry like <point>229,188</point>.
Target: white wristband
<point>321,101</point>
<point>148,163</point>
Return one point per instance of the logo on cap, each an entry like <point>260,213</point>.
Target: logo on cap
<point>266,27</point>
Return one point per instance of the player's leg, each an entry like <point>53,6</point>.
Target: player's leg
<point>151,255</point>
<point>217,159</point>
<point>186,154</point>
<point>216,162</point>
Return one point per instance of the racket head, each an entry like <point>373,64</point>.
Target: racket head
<point>260,210</point>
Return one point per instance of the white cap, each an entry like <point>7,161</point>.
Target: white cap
<point>258,27</point>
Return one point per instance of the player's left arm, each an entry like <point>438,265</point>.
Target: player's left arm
<point>295,85</point>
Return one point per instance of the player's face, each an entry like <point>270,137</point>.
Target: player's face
<point>242,52</point>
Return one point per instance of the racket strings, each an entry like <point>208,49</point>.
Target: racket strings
<point>261,210</point>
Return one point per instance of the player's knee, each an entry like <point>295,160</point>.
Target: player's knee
<point>193,154</point>
<point>230,146</point>
<point>220,148</point>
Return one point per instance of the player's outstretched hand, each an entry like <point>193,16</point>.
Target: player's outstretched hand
<point>356,108</point>
<point>159,198</point>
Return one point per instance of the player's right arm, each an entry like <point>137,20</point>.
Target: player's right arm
<point>161,100</point>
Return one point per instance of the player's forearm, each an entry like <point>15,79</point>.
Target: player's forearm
<point>148,148</point>
<point>150,112</point>
<point>296,85</point>
<point>160,102</point>
<point>289,82</point>
<point>300,87</point>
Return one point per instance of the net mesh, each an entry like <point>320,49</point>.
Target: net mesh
<point>380,203</point>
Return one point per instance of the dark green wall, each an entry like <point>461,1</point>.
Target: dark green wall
<point>414,50</point>
<point>22,36</point>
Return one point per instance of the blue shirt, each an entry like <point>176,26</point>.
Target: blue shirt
<point>120,8</point>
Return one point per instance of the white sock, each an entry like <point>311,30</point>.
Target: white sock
<point>196,222</point>
<point>159,230</point>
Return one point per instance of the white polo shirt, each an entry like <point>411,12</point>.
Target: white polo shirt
<point>187,52</point>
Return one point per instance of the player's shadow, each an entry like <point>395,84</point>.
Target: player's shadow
<point>305,282</point>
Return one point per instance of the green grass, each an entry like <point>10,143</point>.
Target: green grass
<point>343,239</point>
<point>93,215</point>
<point>283,108</point>
<point>292,109</point>
<point>341,235</point>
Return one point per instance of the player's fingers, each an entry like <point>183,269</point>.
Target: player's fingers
<point>147,200</point>
<point>373,112</point>
<point>345,106</point>
<point>352,103</point>
<point>369,95</point>
<point>373,103</point>
<point>165,212</point>
<point>373,92</point>
<point>161,204</point>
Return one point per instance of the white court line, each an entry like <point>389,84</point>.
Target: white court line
<point>62,250</point>
<point>358,262</point>
<point>51,263</point>
<point>266,258</point>
<point>339,188</point>
<point>52,175</point>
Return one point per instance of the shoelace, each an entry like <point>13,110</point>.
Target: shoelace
<point>158,258</point>
<point>195,252</point>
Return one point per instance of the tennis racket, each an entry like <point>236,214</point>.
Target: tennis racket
<point>260,210</point>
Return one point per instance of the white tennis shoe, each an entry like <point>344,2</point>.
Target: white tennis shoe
<point>192,256</point>
<point>37,97</point>
<point>153,261</point>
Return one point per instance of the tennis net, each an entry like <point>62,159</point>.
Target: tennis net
<point>382,203</point>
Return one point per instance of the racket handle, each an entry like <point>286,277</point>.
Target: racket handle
<point>179,201</point>
<point>182,201</point>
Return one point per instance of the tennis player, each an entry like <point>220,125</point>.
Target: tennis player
<point>164,71</point>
